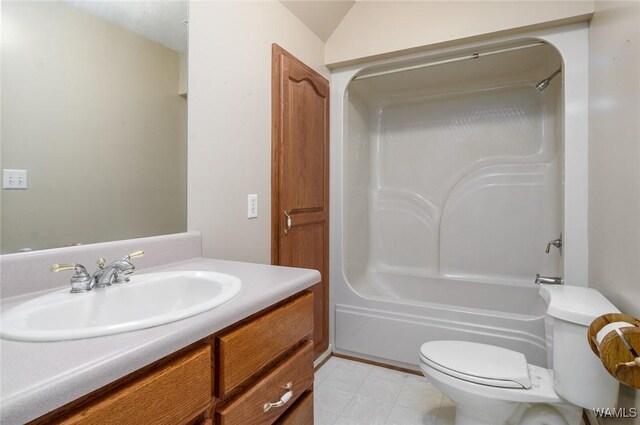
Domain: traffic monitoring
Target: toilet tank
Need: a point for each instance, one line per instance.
(578, 375)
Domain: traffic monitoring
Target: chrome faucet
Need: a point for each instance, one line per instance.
(547, 280)
(115, 272)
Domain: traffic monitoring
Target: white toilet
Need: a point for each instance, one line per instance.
(495, 386)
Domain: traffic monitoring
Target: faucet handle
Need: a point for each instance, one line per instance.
(557, 243)
(81, 280)
(121, 274)
(134, 254)
(63, 267)
(548, 248)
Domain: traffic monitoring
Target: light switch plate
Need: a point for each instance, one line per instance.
(14, 179)
(252, 206)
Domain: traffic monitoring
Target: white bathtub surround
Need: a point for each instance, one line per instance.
(349, 392)
(445, 191)
(463, 182)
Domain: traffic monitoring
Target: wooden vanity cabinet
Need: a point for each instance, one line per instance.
(225, 379)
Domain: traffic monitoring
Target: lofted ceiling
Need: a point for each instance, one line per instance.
(159, 20)
(162, 20)
(320, 16)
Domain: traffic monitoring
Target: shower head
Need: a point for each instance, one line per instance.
(544, 83)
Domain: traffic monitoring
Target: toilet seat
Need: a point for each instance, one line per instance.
(541, 391)
(479, 363)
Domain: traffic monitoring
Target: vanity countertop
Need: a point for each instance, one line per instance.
(38, 377)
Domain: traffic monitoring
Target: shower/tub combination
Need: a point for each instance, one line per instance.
(452, 171)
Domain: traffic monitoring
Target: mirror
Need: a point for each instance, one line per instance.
(94, 109)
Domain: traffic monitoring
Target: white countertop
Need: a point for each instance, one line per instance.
(38, 377)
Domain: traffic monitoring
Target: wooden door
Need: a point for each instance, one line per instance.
(300, 177)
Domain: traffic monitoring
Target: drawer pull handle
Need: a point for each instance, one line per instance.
(283, 400)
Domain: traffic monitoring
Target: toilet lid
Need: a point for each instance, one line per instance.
(479, 363)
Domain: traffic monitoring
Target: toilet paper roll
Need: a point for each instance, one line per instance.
(611, 327)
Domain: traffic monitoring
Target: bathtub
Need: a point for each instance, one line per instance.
(390, 315)
(443, 198)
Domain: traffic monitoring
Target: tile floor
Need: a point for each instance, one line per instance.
(354, 393)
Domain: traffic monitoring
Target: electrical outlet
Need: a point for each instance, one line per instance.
(14, 179)
(252, 206)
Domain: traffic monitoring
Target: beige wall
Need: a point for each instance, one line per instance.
(230, 119)
(377, 28)
(614, 160)
(183, 74)
(92, 112)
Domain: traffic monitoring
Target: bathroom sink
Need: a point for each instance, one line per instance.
(147, 300)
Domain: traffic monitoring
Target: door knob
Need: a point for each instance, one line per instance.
(288, 225)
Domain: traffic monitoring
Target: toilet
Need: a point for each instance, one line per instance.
(491, 385)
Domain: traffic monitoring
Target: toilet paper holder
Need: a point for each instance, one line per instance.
(618, 349)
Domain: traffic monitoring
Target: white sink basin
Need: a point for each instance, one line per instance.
(147, 300)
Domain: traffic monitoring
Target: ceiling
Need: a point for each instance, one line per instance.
(321, 16)
(158, 20)
(162, 20)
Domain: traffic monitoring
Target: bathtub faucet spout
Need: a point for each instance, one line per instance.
(548, 280)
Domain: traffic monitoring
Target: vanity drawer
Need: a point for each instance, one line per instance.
(300, 413)
(297, 369)
(245, 351)
(173, 394)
